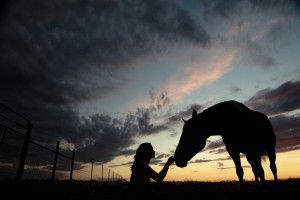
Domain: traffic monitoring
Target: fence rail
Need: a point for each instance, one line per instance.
(24, 130)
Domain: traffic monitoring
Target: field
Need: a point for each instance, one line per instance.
(29, 189)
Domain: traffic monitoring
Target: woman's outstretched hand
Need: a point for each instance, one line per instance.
(170, 160)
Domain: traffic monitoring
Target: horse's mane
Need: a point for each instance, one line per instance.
(227, 106)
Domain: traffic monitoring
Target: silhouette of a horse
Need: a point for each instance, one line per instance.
(243, 131)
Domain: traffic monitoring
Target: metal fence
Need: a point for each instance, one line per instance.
(17, 148)
(106, 174)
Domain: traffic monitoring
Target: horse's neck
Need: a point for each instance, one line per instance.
(212, 125)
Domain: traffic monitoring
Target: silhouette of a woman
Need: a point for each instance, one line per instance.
(142, 172)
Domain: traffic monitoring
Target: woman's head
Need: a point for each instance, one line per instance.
(145, 152)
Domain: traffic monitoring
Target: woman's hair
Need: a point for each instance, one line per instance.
(143, 152)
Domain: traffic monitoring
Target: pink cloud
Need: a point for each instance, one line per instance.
(199, 74)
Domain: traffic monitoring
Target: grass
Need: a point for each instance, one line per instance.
(31, 189)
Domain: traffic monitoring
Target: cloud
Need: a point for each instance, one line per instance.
(243, 166)
(255, 56)
(218, 150)
(209, 160)
(220, 164)
(199, 74)
(230, 10)
(126, 164)
(9, 172)
(127, 152)
(107, 137)
(183, 114)
(287, 129)
(235, 90)
(257, 28)
(282, 99)
(214, 145)
(144, 118)
(158, 160)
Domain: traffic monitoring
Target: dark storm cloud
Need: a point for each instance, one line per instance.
(287, 129)
(284, 98)
(106, 137)
(55, 55)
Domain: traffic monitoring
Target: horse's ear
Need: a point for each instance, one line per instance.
(183, 120)
(194, 113)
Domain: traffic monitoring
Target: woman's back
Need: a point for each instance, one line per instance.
(141, 174)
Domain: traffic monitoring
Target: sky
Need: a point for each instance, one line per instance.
(105, 76)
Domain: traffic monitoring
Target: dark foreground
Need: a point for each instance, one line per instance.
(285, 189)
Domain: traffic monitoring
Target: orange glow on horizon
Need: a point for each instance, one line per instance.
(287, 163)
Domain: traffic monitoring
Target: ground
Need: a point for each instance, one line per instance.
(29, 189)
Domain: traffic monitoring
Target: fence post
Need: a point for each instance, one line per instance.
(72, 165)
(3, 137)
(24, 152)
(55, 160)
(92, 170)
(102, 173)
(108, 174)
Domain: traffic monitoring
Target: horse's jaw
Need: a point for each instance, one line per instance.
(182, 157)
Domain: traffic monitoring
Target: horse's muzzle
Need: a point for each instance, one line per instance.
(180, 163)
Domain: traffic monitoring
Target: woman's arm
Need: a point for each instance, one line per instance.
(159, 177)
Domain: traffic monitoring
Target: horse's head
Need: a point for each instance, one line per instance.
(191, 141)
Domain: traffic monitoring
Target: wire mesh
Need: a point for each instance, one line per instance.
(38, 163)
(10, 150)
(82, 171)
